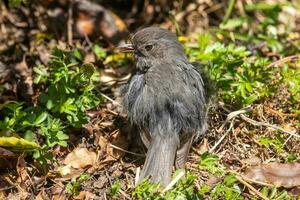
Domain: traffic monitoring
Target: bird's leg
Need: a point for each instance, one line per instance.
(145, 137)
(182, 153)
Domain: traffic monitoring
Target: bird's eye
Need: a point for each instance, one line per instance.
(148, 47)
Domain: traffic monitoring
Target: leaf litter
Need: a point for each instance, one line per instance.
(111, 156)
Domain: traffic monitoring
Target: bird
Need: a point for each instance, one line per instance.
(165, 99)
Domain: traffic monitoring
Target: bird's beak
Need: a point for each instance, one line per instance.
(125, 48)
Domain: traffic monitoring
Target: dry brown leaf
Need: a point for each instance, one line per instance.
(41, 195)
(58, 192)
(2, 194)
(73, 173)
(115, 147)
(212, 181)
(118, 140)
(80, 158)
(295, 192)
(251, 161)
(108, 78)
(203, 147)
(4, 153)
(22, 172)
(278, 174)
(84, 195)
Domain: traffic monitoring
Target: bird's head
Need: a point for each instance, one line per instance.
(153, 44)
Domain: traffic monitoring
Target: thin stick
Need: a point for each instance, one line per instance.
(283, 60)
(230, 116)
(174, 181)
(119, 148)
(221, 139)
(112, 112)
(110, 99)
(240, 179)
(137, 176)
(256, 123)
(124, 194)
(257, 182)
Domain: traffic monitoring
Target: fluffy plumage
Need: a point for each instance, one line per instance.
(166, 100)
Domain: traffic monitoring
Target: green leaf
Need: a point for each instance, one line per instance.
(99, 51)
(61, 136)
(29, 135)
(42, 117)
(88, 70)
(232, 23)
(18, 144)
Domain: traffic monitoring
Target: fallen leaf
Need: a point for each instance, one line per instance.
(251, 161)
(212, 181)
(22, 172)
(68, 175)
(295, 192)
(278, 174)
(84, 195)
(118, 140)
(41, 195)
(18, 144)
(203, 147)
(80, 158)
(4, 153)
(57, 191)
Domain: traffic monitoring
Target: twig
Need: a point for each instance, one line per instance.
(174, 181)
(229, 117)
(221, 139)
(119, 148)
(256, 123)
(124, 194)
(257, 182)
(137, 176)
(283, 60)
(112, 112)
(70, 23)
(241, 180)
(20, 189)
(110, 99)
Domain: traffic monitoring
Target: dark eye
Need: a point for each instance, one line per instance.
(148, 47)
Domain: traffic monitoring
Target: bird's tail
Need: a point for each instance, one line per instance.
(160, 158)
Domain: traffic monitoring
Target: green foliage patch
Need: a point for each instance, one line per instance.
(68, 91)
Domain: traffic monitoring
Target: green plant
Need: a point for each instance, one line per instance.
(276, 143)
(73, 186)
(69, 90)
(274, 194)
(16, 3)
(210, 163)
(239, 79)
(290, 77)
(70, 87)
(183, 189)
(114, 189)
(146, 190)
(228, 189)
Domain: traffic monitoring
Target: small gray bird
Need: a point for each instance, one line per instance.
(165, 99)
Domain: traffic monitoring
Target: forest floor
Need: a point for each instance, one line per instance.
(63, 134)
